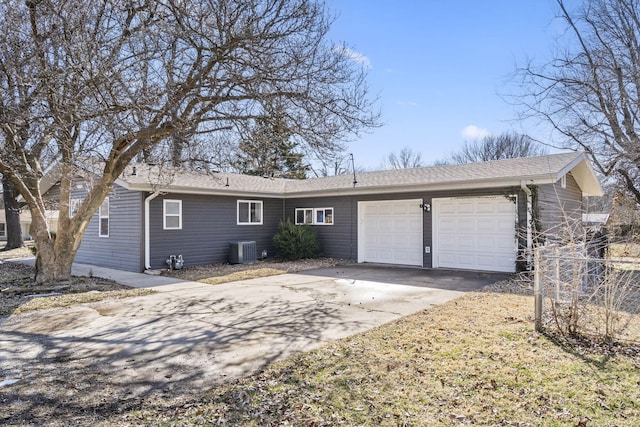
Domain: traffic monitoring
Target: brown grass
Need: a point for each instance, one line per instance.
(19, 293)
(23, 252)
(473, 361)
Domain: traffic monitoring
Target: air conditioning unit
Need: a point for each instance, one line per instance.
(242, 252)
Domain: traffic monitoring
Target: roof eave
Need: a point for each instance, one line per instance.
(585, 177)
(201, 191)
(455, 185)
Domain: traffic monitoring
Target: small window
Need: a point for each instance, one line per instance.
(103, 215)
(3, 229)
(172, 214)
(563, 181)
(249, 212)
(74, 205)
(323, 216)
(304, 216)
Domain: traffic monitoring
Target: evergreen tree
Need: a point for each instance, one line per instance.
(270, 151)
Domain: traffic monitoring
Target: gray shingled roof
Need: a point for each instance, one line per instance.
(497, 173)
(166, 178)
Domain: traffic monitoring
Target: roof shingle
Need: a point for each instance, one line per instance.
(542, 169)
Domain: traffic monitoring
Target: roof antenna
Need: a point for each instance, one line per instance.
(353, 168)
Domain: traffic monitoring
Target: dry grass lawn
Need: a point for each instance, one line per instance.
(473, 361)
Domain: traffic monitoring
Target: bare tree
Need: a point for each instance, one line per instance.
(492, 147)
(111, 80)
(590, 91)
(12, 216)
(405, 158)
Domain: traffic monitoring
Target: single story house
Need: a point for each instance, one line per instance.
(478, 216)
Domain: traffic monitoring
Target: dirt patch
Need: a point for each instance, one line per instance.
(207, 273)
(18, 292)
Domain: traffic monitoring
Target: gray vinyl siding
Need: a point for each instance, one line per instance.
(559, 209)
(53, 196)
(209, 224)
(338, 240)
(341, 239)
(122, 249)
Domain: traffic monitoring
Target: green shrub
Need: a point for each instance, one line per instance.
(296, 241)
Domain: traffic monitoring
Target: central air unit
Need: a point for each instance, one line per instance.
(242, 252)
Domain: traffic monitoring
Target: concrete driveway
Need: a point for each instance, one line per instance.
(192, 335)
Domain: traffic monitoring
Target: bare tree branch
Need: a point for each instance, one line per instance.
(113, 81)
(496, 147)
(590, 91)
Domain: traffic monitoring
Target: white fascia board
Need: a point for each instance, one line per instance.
(587, 179)
(584, 175)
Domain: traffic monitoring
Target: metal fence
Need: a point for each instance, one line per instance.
(578, 292)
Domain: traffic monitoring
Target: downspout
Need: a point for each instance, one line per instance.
(147, 233)
(527, 191)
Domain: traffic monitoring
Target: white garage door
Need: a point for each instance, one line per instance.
(390, 232)
(476, 233)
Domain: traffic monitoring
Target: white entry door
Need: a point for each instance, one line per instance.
(476, 233)
(390, 232)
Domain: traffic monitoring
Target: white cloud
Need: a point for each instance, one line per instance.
(356, 57)
(474, 132)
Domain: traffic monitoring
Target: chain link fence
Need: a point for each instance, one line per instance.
(579, 290)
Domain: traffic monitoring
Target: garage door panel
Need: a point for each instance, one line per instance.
(475, 233)
(465, 208)
(467, 225)
(464, 244)
(391, 232)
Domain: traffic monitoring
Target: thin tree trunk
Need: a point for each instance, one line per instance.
(12, 216)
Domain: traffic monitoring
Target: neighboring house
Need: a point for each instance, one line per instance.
(25, 223)
(474, 216)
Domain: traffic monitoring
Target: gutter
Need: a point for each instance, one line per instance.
(147, 233)
(527, 191)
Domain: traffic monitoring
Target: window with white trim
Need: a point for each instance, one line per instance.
(172, 214)
(249, 212)
(304, 216)
(74, 205)
(314, 216)
(563, 181)
(103, 216)
(3, 229)
(323, 216)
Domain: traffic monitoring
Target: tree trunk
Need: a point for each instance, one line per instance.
(12, 215)
(54, 258)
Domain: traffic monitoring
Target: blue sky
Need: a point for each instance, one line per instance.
(440, 67)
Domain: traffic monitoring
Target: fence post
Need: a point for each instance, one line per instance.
(556, 273)
(537, 288)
